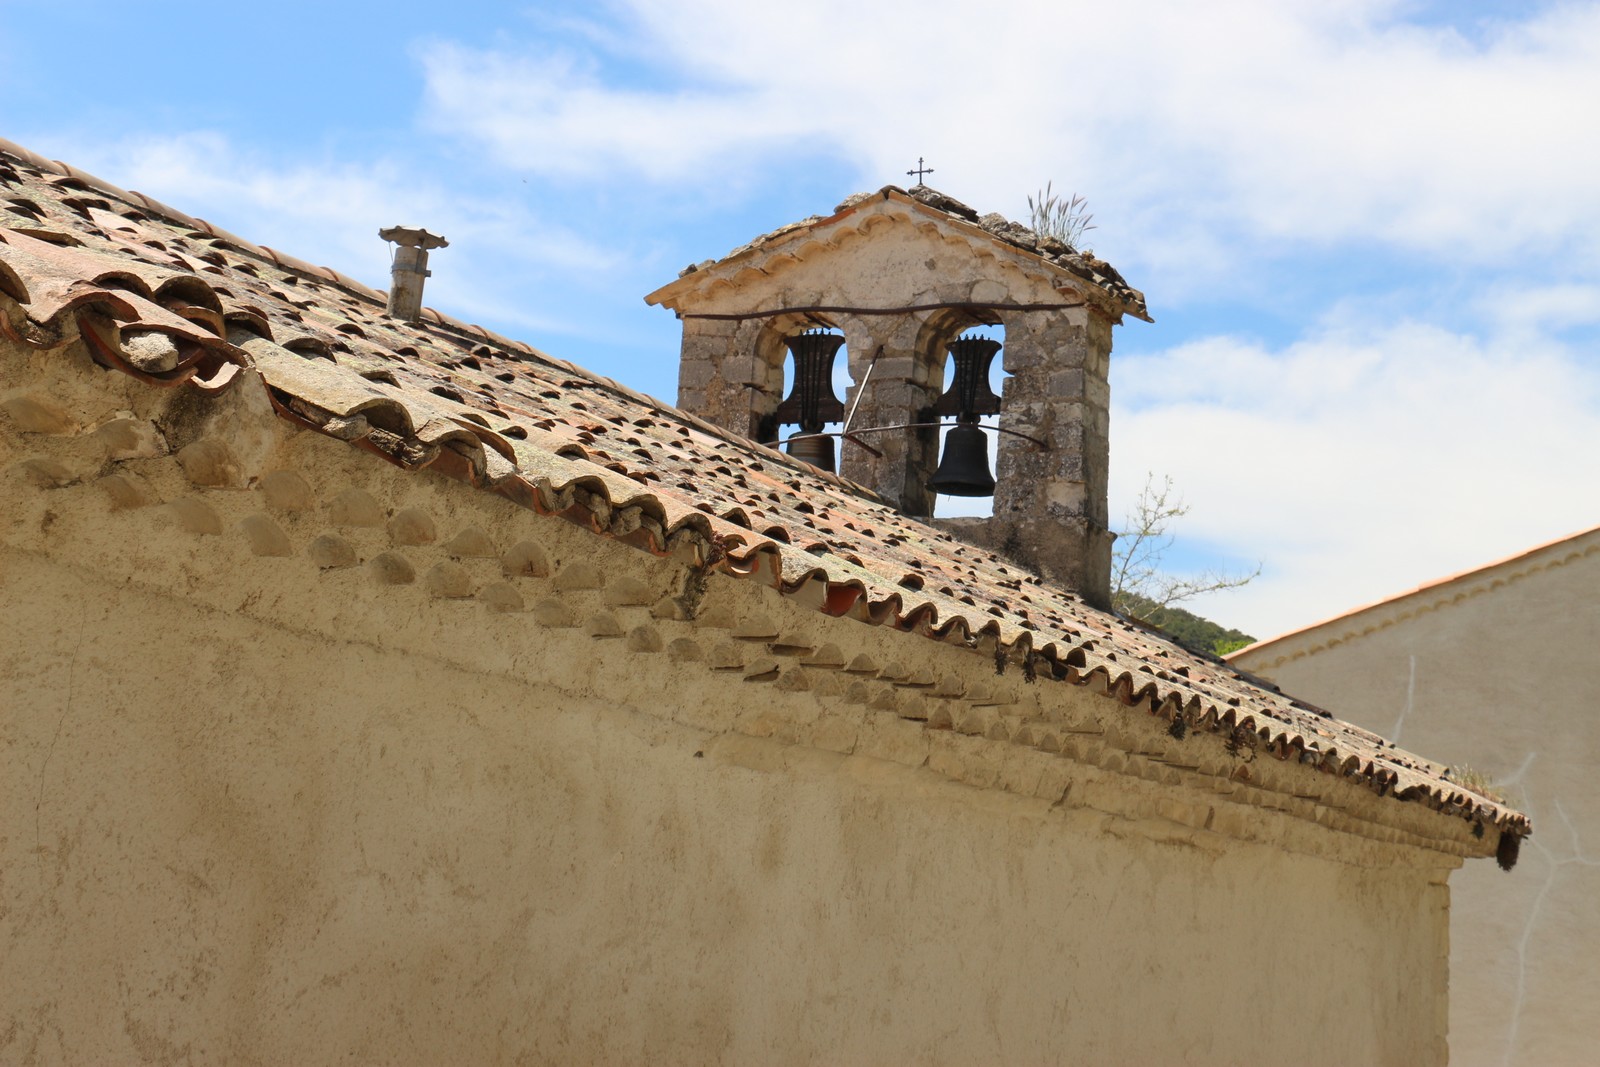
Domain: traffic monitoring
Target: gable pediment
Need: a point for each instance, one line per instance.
(892, 249)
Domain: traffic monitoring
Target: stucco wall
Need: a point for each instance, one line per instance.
(230, 843)
(1495, 671)
(309, 759)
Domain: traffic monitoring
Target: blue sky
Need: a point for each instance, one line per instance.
(1368, 229)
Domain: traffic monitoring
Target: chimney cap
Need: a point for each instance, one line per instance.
(413, 237)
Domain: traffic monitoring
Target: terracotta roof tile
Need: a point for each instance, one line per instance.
(555, 438)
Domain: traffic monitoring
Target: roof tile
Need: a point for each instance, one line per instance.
(555, 438)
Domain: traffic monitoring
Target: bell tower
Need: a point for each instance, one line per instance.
(896, 278)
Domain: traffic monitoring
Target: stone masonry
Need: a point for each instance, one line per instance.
(901, 279)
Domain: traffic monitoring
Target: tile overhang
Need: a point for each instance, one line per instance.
(509, 419)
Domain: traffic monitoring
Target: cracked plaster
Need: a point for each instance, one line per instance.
(1494, 670)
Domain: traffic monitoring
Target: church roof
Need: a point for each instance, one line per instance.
(197, 306)
(1068, 266)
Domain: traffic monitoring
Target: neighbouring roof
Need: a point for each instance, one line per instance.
(508, 419)
(1426, 597)
(1063, 261)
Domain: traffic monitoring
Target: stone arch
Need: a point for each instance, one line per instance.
(940, 327)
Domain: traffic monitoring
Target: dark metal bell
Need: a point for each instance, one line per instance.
(811, 402)
(964, 468)
(969, 393)
(815, 450)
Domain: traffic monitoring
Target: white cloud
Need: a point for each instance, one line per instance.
(332, 213)
(550, 114)
(1358, 466)
(1195, 126)
(1522, 308)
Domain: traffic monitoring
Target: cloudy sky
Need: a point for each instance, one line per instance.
(1369, 230)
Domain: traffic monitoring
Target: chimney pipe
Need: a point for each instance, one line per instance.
(409, 269)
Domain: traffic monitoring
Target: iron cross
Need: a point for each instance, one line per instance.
(920, 171)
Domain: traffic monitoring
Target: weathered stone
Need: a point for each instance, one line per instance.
(37, 414)
(211, 463)
(891, 259)
(500, 597)
(287, 491)
(330, 552)
(412, 526)
(195, 516)
(471, 543)
(130, 438)
(150, 350)
(450, 581)
(355, 507)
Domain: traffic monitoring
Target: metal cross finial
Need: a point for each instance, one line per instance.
(920, 171)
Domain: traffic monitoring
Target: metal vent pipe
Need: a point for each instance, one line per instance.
(409, 269)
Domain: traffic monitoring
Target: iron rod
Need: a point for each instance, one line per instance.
(911, 426)
(740, 316)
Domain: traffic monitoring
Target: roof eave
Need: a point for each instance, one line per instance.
(1344, 620)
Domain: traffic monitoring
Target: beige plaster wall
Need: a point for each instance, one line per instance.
(309, 759)
(229, 843)
(1496, 671)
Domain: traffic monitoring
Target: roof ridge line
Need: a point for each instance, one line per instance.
(1111, 287)
(366, 292)
(137, 199)
(1477, 579)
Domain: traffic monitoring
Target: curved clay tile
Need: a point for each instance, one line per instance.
(960, 594)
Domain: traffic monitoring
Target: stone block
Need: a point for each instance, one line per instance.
(834, 733)
(696, 374)
(1068, 383)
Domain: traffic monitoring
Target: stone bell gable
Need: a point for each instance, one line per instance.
(901, 274)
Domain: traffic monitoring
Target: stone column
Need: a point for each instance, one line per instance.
(1050, 504)
(723, 378)
(902, 388)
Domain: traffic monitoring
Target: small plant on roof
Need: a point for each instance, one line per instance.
(1067, 220)
(1479, 782)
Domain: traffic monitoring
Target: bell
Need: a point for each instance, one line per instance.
(964, 468)
(811, 402)
(814, 449)
(969, 393)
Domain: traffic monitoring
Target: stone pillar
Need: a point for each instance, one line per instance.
(903, 386)
(1050, 504)
(725, 375)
